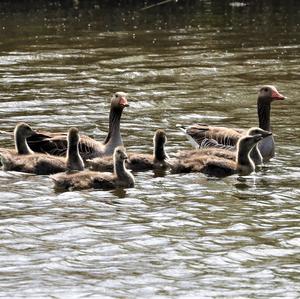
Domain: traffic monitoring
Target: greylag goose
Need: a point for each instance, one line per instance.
(219, 167)
(137, 162)
(23, 159)
(199, 133)
(56, 143)
(227, 152)
(121, 178)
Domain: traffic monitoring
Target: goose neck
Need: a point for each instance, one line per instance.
(256, 155)
(159, 152)
(245, 165)
(121, 172)
(114, 134)
(21, 145)
(74, 160)
(263, 112)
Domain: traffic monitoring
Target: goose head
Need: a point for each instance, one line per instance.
(21, 133)
(119, 100)
(160, 137)
(256, 131)
(24, 130)
(73, 136)
(248, 142)
(269, 93)
(120, 154)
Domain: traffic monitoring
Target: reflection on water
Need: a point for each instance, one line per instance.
(172, 235)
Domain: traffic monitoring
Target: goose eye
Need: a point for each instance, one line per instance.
(116, 95)
(266, 90)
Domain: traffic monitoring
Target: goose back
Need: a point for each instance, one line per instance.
(211, 166)
(56, 144)
(39, 164)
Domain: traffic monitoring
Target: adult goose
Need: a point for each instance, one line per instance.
(121, 178)
(199, 133)
(227, 152)
(217, 166)
(137, 162)
(56, 143)
(23, 159)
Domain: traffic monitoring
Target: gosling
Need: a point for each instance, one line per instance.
(138, 162)
(217, 166)
(25, 160)
(120, 178)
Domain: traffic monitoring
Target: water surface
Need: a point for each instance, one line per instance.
(184, 236)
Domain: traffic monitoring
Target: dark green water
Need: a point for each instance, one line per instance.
(172, 236)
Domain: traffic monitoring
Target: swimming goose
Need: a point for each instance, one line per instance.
(56, 143)
(138, 162)
(229, 136)
(21, 132)
(25, 160)
(121, 178)
(217, 166)
(227, 152)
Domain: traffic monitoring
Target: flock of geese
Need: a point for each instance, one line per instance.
(79, 162)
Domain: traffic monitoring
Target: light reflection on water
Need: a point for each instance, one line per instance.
(172, 235)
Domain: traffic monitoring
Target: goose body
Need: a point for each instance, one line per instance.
(226, 152)
(121, 178)
(56, 143)
(199, 133)
(40, 164)
(210, 152)
(219, 166)
(137, 162)
(23, 159)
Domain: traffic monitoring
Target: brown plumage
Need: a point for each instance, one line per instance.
(137, 162)
(209, 151)
(217, 166)
(121, 178)
(24, 160)
(227, 152)
(199, 133)
(56, 143)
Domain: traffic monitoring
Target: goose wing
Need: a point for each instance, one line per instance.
(83, 180)
(36, 163)
(56, 144)
(100, 164)
(218, 167)
(140, 162)
(204, 135)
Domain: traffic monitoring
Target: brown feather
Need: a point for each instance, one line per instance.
(40, 164)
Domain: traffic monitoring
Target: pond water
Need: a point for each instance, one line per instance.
(184, 236)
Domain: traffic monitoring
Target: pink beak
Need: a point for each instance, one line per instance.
(123, 102)
(277, 96)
